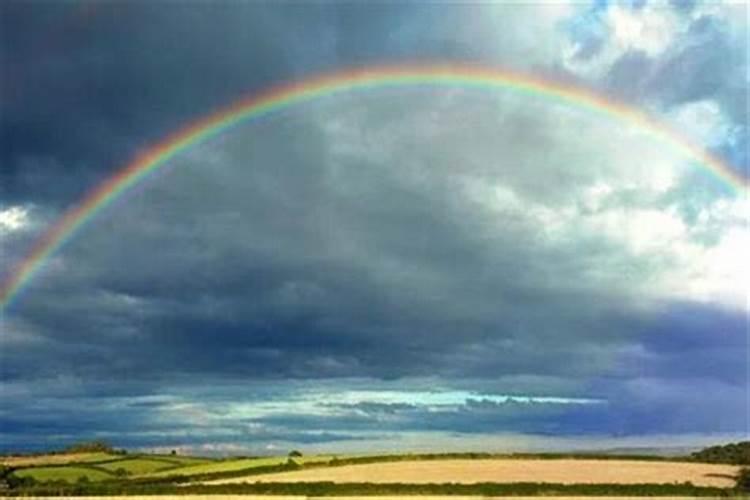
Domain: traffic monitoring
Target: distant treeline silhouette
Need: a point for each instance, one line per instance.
(732, 453)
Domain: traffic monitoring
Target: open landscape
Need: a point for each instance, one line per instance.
(714, 471)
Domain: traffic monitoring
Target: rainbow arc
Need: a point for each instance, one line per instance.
(284, 96)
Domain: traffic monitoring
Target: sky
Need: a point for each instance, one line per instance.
(402, 268)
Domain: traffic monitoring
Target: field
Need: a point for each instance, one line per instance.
(562, 471)
(428, 476)
(140, 466)
(306, 497)
(68, 473)
(183, 460)
(101, 466)
(55, 459)
(223, 466)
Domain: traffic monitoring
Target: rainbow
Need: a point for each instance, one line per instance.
(256, 106)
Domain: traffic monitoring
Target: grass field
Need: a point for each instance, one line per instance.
(563, 471)
(221, 466)
(99, 466)
(184, 460)
(55, 459)
(67, 473)
(139, 466)
(235, 465)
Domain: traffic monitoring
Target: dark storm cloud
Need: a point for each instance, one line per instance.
(84, 91)
(356, 237)
(82, 98)
(692, 341)
(303, 263)
(88, 85)
(270, 293)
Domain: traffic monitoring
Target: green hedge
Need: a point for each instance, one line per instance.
(371, 489)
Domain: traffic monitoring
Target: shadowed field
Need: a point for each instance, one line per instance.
(302, 497)
(563, 471)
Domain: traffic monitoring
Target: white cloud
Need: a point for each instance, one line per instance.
(13, 218)
(719, 273)
(651, 29)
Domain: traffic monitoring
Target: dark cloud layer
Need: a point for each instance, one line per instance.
(407, 244)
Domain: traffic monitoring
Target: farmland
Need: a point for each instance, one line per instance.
(69, 473)
(98, 466)
(562, 471)
(139, 466)
(221, 466)
(54, 459)
(102, 466)
(397, 475)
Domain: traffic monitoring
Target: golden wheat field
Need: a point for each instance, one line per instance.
(567, 471)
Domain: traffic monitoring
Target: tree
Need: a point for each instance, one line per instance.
(295, 453)
(89, 447)
(732, 453)
(743, 480)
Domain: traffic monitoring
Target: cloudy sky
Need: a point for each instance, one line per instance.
(395, 268)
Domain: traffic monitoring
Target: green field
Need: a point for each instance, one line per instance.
(69, 473)
(59, 458)
(231, 465)
(101, 466)
(183, 460)
(221, 466)
(153, 466)
(139, 466)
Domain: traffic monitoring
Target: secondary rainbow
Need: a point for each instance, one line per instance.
(284, 96)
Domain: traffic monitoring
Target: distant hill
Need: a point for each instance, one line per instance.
(733, 453)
